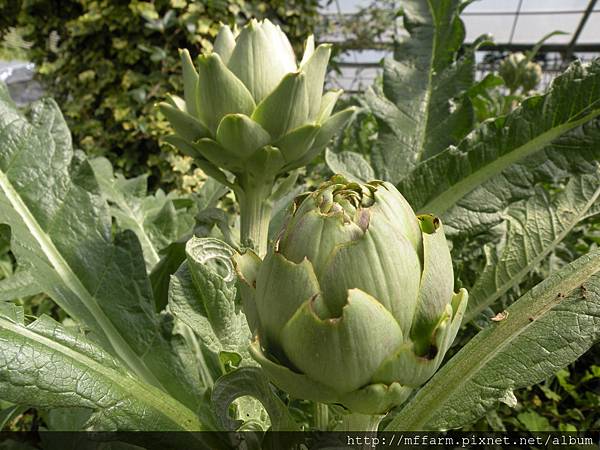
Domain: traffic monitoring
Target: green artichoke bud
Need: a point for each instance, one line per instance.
(519, 72)
(532, 75)
(355, 302)
(250, 107)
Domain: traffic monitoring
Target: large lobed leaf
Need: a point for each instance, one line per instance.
(548, 328)
(62, 234)
(46, 365)
(203, 295)
(157, 220)
(533, 204)
(419, 110)
(535, 227)
(572, 101)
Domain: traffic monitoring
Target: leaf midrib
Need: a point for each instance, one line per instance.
(469, 315)
(423, 130)
(449, 197)
(125, 352)
(497, 339)
(160, 402)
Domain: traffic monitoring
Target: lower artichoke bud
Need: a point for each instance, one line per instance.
(355, 302)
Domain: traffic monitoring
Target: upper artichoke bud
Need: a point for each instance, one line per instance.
(355, 304)
(519, 72)
(251, 107)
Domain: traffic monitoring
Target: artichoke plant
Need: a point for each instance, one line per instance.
(354, 304)
(252, 113)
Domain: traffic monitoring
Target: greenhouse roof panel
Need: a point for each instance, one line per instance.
(527, 21)
(591, 31)
(510, 21)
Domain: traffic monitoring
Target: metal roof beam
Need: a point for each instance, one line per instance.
(586, 15)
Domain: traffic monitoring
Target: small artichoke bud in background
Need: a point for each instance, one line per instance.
(519, 72)
(355, 303)
(532, 75)
(251, 107)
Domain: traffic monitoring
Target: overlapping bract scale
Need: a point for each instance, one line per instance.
(355, 303)
(251, 93)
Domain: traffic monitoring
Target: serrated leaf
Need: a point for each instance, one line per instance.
(62, 232)
(173, 255)
(44, 365)
(546, 329)
(203, 296)
(154, 219)
(572, 101)
(535, 227)
(419, 112)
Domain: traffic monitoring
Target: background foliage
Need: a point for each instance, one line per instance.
(107, 63)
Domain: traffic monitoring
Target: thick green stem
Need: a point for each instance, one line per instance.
(365, 423)
(321, 417)
(255, 211)
(360, 422)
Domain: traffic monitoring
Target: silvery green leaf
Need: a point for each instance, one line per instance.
(173, 255)
(61, 230)
(203, 296)
(154, 219)
(351, 165)
(546, 329)
(45, 365)
(20, 284)
(567, 111)
(419, 111)
(593, 211)
(535, 227)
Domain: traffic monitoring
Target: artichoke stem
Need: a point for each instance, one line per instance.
(360, 422)
(321, 416)
(255, 212)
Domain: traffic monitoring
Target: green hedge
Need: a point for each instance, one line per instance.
(109, 62)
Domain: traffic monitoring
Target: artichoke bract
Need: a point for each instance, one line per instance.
(251, 110)
(355, 303)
